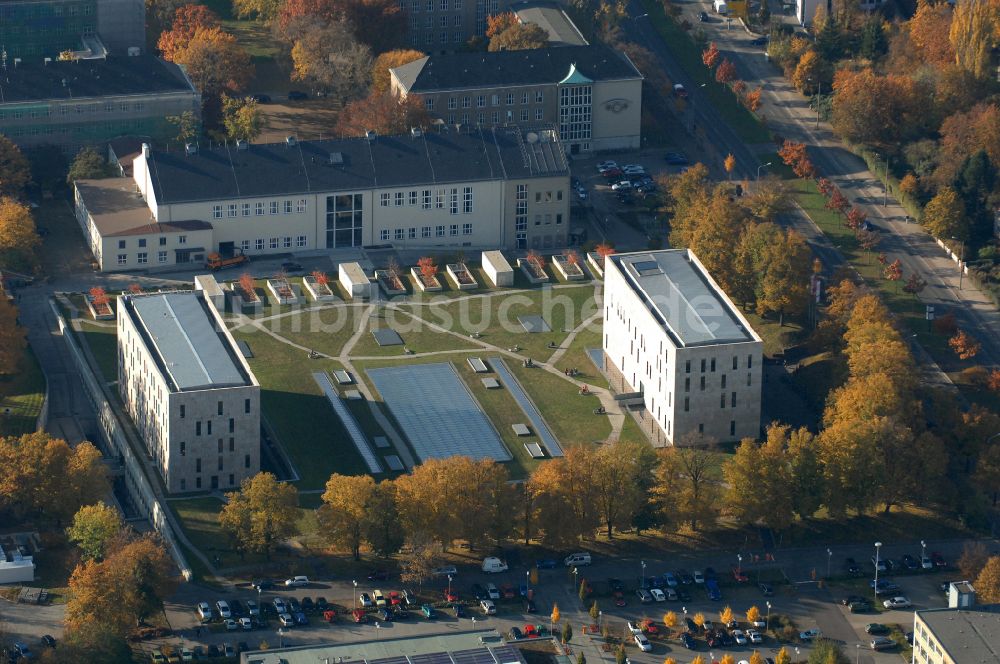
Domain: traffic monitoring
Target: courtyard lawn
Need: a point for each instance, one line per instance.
(570, 415)
(324, 330)
(496, 318)
(417, 336)
(103, 342)
(22, 392)
(576, 356)
(301, 415)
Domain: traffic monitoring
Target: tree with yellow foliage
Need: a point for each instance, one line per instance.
(753, 614)
(987, 584)
(972, 33)
(12, 337)
(726, 615)
(215, 61)
(261, 514)
(18, 236)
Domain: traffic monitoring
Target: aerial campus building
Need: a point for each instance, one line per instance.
(497, 187)
(677, 345)
(591, 93)
(188, 390)
(33, 29)
(957, 635)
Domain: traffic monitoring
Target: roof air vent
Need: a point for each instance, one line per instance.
(371, 135)
(337, 158)
(242, 145)
(291, 141)
(415, 132)
(190, 148)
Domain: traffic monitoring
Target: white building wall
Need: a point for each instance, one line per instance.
(682, 387)
(616, 115)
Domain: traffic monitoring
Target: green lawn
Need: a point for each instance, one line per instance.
(576, 356)
(683, 48)
(417, 336)
(569, 415)
(496, 318)
(103, 342)
(324, 330)
(22, 392)
(309, 430)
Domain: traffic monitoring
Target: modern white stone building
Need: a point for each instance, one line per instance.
(674, 341)
(188, 390)
(502, 187)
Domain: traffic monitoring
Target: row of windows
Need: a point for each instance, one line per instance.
(259, 244)
(429, 199)
(425, 232)
(547, 219)
(141, 242)
(494, 100)
(441, 5)
(182, 412)
(232, 448)
(259, 209)
(142, 258)
(444, 21)
(215, 479)
(458, 37)
(77, 109)
(736, 362)
(495, 117)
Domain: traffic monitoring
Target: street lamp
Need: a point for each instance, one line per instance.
(961, 261)
(768, 614)
(377, 628)
(739, 563)
(923, 552)
(527, 583)
(600, 621)
(449, 586)
(878, 546)
(576, 585)
(858, 659)
(829, 559)
(281, 635)
(355, 594)
(885, 196)
(760, 167)
(643, 563)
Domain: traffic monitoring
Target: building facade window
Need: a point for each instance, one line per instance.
(344, 220)
(246, 209)
(216, 212)
(467, 200)
(161, 257)
(466, 229)
(232, 209)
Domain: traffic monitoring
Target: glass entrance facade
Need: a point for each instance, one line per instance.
(344, 220)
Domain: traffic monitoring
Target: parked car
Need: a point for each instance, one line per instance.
(279, 606)
(378, 598)
(739, 637)
(459, 611)
(644, 596)
(492, 592)
(852, 566)
(297, 582)
(246, 624)
(898, 602)
(658, 595)
(478, 591)
(262, 584)
(688, 641)
(307, 604)
(699, 577)
(204, 611)
(375, 574)
(546, 563)
(810, 634)
(926, 563)
(643, 643)
(605, 165)
(261, 99)
(222, 606)
(680, 91)
(703, 17)
(909, 562)
(876, 628)
(488, 607)
(48, 641)
(882, 643)
(577, 559)
(939, 560)
(447, 570)
(859, 607)
(671, 594)
(755, 636)
(450, 595)
(297, 95)
(252, 609)
(880, 564)
(514, 634)
(623, 185)
(428, 611)
(670, 579)
(712, 587)
(359, 615)
(529, 606)
(286, 620)
(384, 614)
(676, 158)
(366, 600)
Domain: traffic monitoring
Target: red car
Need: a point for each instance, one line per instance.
(649, 627)
(394, 598)
(619, 598)
(359, 615)
(612, 174)
(530, 632)
(938, 559)
(740, 575)
(329, 615)
(450, 596)
(508, 591)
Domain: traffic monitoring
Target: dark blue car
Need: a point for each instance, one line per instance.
(546, 563)
(688, 641)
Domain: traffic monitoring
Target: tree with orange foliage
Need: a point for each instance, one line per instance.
(962, 134)
(215, 62)
(872, 109)
(384, 113)
(838, 202)
(894, 271)
(604, 250)
(321, 277)
(729, 163)
(739, 87)
(710, 56)
(247, 285)
(856, 217)
(726, 71)
(329, 57)
(187, 20)
(498, 23)
(909, 185)
(825, 186)
(795, 155)
(381, 79)
(752, 99)
(98, 296)
(929, 29)
(964, 345)
(427, 268)
(914, 285)
(993, 382)
(378, 24)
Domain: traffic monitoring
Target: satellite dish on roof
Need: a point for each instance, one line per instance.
(531, 137)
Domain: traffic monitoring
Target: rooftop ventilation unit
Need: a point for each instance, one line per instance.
(291, 141)
(190, 148)
(415, 132)
(133, 51)
(242, 145)
(336, 158)
(371, 135)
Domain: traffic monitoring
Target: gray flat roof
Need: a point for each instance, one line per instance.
(182, 335)
(479, 647)
(682, 298)
(968, 635)
(550, 17)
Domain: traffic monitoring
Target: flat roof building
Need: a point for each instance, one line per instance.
(549, 16)
(676, 343)
(592, 93)
(187, 388)
(957, 636)
(89, 102)
(500, 187)
(476, 647)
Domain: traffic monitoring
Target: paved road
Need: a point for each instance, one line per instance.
(788, 115)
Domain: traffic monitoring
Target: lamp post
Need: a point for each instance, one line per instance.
(355, 594)
(449, 585)
(858, 659)
(878, 547)
(576, 585)
(281, 635)
(762, 166)
(829, 559)
(643, 564)
(527, 583)
(600, 621)
(739, 564)
(768, 614)
(923, 552)
(885, 182)
(377, 628)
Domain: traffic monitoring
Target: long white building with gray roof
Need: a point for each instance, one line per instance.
(677, 345)
(187, 388)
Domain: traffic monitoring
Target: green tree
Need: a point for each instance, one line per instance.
(48, 167)
(261, 514)
(331, 59)
(93, 529)
(944, 215)
(264, 10)
(977, 185)
(567, 632)
(807, 490)
(187, 125)
(88, 165)
(595, 611)
(873, 41)
(15, 172)
(619, 482)
(241, 117)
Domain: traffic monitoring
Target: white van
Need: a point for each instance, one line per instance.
(493, 565)
(577, 559)
(720, 7)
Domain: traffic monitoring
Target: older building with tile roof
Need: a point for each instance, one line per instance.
(470, 187)
(592, 93)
